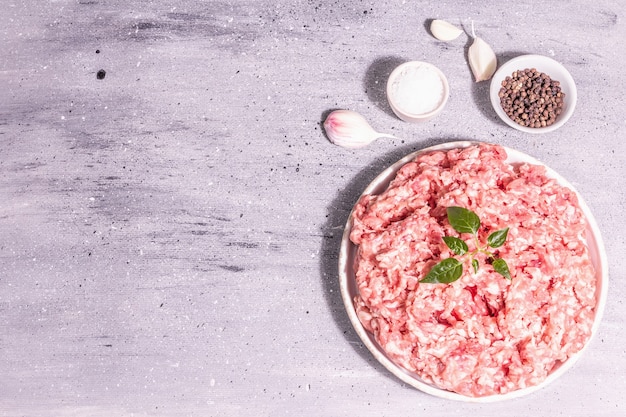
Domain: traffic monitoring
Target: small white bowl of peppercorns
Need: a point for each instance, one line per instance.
(533, 93)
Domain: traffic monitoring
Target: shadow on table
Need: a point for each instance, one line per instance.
(332, 231)
(480, 90)
(375, 81)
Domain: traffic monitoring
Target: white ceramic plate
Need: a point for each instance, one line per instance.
(544, 64)
(349, 289)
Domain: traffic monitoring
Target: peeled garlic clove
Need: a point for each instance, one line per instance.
(444, 31)
(482, 60)
(350, 130)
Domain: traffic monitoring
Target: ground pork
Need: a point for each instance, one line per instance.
(482, 334)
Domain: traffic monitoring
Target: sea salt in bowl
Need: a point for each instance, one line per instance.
(417, 91)
(554, 70)
(350, 289)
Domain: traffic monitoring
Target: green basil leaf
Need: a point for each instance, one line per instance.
(456, 245)
(500, 266)
(463, 220)
(497, 238)
(475, 265)
(445, 272)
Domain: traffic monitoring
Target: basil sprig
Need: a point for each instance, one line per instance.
(450, 269)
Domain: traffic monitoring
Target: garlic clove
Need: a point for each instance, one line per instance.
(350, 130)
(444, 31)
(482, 60)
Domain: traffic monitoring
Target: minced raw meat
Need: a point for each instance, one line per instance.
(482, 334)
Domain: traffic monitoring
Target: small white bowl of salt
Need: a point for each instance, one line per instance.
(417, 91)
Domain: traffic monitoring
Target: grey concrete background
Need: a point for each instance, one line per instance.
(169, 233)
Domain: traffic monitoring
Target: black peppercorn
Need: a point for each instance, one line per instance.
(531, 98)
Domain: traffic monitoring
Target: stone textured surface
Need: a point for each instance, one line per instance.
(169, 233)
